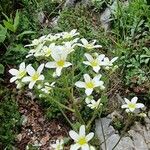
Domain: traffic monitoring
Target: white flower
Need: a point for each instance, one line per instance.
(130, 106)
(71, 34)
(47, 87)
(109, 63)
(88, 99)
(58, 145)
(95, 63)
(18, 74)
(34, 76)
(51, 37)
(59, 63)
(90, 84)
(48, 49)
(36, 42)
(36, 51)
(19, 84)
(69, 47)
(88, 45)
(81, 140)
(94, 104)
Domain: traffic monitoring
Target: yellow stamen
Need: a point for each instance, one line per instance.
(132, 106)
(94, 63)
(82, 141)
(90, 85)
(61, 63)
(21, 73)
(89, 46)
(35, 76)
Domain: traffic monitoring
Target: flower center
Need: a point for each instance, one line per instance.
(89, 46)
(61, 63)
(132, 106)
(90, 85)
(35, 76)
(82, 141)
(94, 63)
(67, 36)
(22, 73)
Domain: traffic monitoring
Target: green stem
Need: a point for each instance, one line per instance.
(66, 118)
(61, 105)
(93, 117)
(78, 115)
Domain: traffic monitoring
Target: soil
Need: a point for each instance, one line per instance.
(35, 128)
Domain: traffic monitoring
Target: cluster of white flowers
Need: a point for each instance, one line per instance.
(54, 51)
(20, 76)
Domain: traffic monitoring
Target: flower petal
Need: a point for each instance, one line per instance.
(126, 100)
(55, 55)
(40, 68)
(87, 78)
(124, 106)
(41, 77)
(84, 41)
(51, 64)
(80, 84)
(13, 79)
(97, 78)
(114, 59)
(58, 71)
(73, 135)
(89, 57)
(99, 83)
(96, 69)
(30, 70)
(26, 79)
(31, 84)
(82, 130)
(86, 63)
(90, 136)
(75, 147)
(67, 64)
(85, 147)
(22, 66)
(13, 71)
(100, 57)
(88, 91)
(139, 105)
(134, 100)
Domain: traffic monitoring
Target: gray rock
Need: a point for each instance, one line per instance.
(41, 17)
(107, 129)
(138, 140)
(69, 3)
(124, 144)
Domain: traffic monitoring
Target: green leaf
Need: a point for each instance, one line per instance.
(26, 32)
(16, 21)
(3, 32)
(1, 69)
(9, 26)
